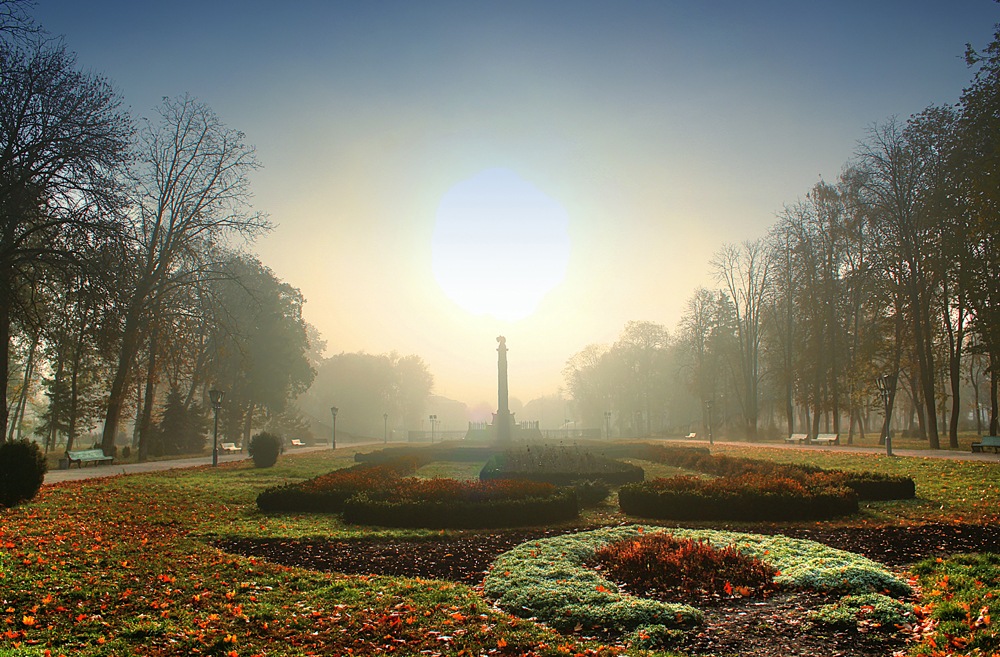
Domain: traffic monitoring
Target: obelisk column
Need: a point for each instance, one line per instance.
(503, 402)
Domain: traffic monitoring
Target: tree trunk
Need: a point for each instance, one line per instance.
(4, 351)
(116, 396)
(146, 423)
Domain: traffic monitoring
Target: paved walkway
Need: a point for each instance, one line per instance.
(93, 472)
(952, 455)
(77, 473)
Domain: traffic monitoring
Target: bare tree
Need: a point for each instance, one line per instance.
(192, 189)
(744, 270)
(63, 139)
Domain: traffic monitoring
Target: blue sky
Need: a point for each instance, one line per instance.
(663, 128)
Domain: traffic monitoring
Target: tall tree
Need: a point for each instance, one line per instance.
(979, 132)
(895, 183)
(192, 189)
(63, 140)
(745, 270)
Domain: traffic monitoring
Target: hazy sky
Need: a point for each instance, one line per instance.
(640, 136)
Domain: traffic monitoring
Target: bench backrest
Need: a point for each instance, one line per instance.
(798, 436)
(992, 441)
(229, 446)
(827, 436)
(86, 453)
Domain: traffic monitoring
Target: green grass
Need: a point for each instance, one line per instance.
(125, 565)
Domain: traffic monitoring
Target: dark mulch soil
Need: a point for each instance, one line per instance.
(772, 627)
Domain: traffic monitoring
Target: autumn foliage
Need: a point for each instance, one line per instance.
(678, 569)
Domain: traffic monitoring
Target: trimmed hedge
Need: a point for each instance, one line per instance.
(367, 509)
(747, 497)
(868, 486)
(22, 472)
(560, 466)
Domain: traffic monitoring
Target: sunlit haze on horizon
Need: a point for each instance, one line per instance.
(609, 148)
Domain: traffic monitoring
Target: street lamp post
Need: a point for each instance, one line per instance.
(216, 397)
(385, 428)
(433, 419)
(607, 422)
(885, 384)
(708, 411)
(333, 442)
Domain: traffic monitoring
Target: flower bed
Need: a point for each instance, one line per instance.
(440, 503)
(867, 485)
(327, 493)
(380, 495)
(549, 579)
(561, 466)
(746, 497)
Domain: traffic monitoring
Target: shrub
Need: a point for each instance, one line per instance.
(591, 493)
(679, 568)
(562, 466)
(264, 449)
(22, 471)
(747, 497)
(449, 503)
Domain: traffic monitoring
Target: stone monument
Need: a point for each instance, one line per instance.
(502, 419)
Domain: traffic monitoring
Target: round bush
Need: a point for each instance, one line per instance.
(264, 449)
(22, 471)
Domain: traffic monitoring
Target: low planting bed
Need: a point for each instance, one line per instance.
(441, 503)
(555, 581)
(380, 494)
(561, 466)
(868, 485)
(746, 497)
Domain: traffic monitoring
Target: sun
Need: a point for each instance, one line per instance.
(500, 245)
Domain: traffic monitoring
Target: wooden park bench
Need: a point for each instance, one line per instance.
(826, 439)
(800, 438)
(987, 441)
(229, 447)
(691, 436)
(297, 443)
(95, 456)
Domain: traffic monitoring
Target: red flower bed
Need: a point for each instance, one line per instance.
(675, 569)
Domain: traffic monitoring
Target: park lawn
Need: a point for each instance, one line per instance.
(120, 566)
(125, 566)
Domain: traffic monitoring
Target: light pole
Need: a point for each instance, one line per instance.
(607, 422)
(885, 384)
(433, 419)
(216, 397)
(333, 412)
(708, 411)
(385, 428)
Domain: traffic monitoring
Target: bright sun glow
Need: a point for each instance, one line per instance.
(500, 245)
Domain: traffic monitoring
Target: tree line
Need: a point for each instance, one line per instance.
(891, 270)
